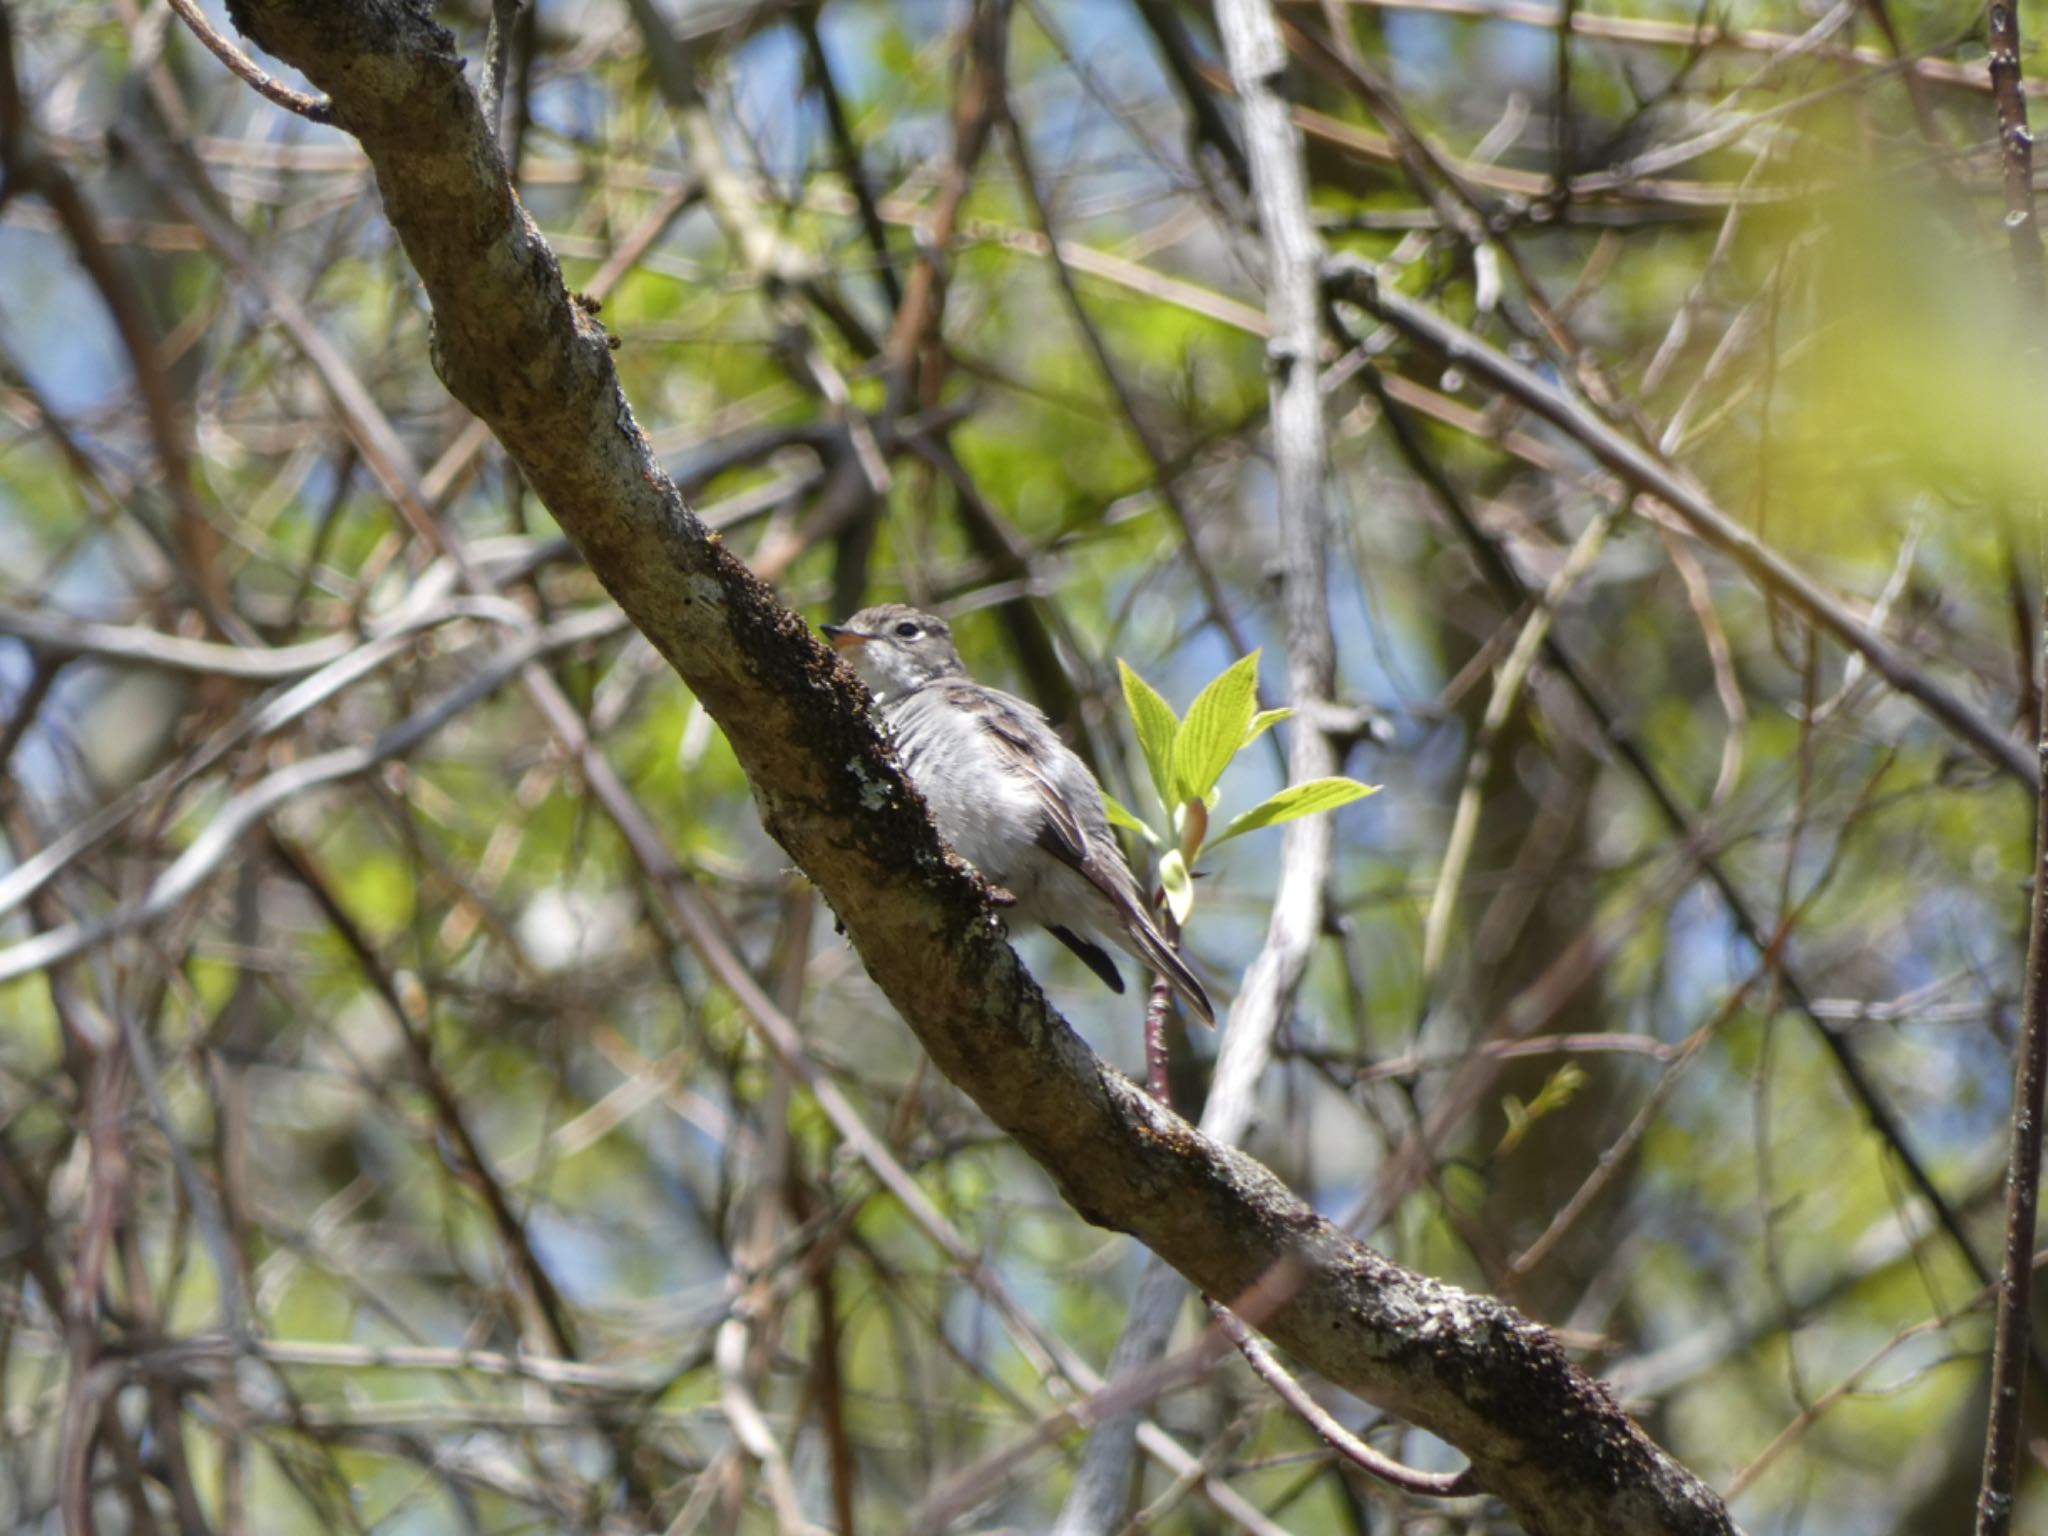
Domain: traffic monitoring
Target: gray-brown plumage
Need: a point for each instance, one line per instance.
(1008, 794)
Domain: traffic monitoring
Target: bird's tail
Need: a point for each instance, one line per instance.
(1151, 946)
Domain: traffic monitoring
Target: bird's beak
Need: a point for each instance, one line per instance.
(842, 638)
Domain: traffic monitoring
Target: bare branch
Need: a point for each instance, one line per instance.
(311, 108)
(1357, 282)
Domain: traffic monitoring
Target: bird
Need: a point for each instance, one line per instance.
(1009, 795)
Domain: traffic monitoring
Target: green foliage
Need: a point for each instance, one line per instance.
(376, 881)
(1121, 817)
(1156, 724)
(1264, 721)
(1188, 757)
(1558, 1090)
(1178, 884)
(1308, 798)
(1217, 727)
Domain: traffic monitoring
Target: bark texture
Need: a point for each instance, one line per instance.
(515, 348)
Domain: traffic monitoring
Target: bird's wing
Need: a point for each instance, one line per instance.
(1062, 832)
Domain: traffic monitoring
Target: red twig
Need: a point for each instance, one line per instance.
(1155, 1041)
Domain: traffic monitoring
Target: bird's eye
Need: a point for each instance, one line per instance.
(907, 630)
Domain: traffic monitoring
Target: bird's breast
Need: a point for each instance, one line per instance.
(989, 814)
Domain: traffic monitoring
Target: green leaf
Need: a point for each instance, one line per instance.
(1180, 889)
(1123, 818)
(1263, 722)
(1215, 729)
(1518, 1124)
(1156, 725)
(1558, 1090)
(1295, 801)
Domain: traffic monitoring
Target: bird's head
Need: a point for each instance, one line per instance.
(895, 649)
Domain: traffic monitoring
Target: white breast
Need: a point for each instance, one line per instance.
(989, 814)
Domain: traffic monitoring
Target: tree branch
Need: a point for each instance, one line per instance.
(511, 345)
(1357, 282)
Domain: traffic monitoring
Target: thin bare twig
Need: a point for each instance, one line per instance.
(1507, 688)
(1357, 282)
(1259, 1356)
(1706, 33)
(314, 109)
(235, 820)
(497, 62)
(1695, 838)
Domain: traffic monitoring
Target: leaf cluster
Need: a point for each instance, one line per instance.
(1187, 758)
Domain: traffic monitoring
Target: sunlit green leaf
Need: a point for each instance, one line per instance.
(1180, 889)
(1295, 801)
(1156, 725)
(1123, 818)
(1215, 729)
(1264, 721)
(1518, 1123)
(1558, 1090)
